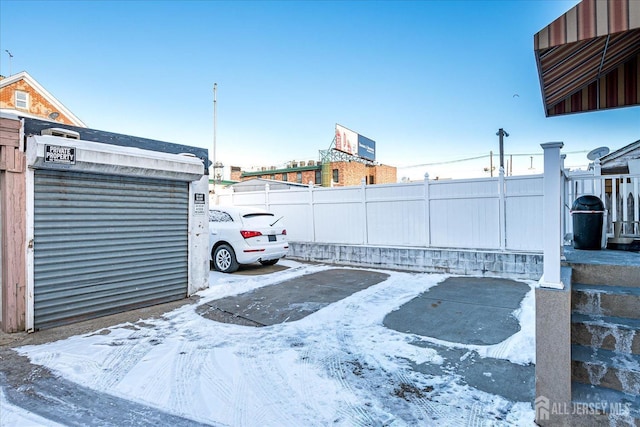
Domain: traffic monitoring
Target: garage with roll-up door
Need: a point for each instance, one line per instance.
(106, 243)
(113, 223)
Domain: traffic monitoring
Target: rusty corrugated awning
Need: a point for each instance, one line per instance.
(588, 59)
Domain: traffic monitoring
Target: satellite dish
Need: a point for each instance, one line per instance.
(596, 153)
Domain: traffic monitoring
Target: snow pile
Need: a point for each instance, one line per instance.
(337, 366)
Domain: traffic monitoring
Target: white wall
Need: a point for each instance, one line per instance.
(198, 236)
(484, 213)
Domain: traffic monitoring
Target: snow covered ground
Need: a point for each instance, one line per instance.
(338, 366)
(11, 415)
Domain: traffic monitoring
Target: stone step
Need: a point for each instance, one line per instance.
(607, 406)
(610, 333)
(605, 300)
(604, 274)
(604, 368)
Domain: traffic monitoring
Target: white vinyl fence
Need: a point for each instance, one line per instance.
(502, 213)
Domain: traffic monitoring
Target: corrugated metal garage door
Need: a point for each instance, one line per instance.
(106, 244)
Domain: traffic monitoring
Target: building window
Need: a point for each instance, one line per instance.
(284, 177)
(318, 176)
(371, 181)
(273, 177)
(336, 176)
(22, 100)
(299, 177)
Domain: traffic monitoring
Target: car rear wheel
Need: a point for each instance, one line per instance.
(224, 259)
(269, 262)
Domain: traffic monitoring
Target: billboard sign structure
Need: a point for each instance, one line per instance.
(352, 143)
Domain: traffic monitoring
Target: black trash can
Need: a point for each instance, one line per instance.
(587, 213)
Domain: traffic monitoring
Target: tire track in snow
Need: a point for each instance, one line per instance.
(221, 387)
(355, 414)
(430, 410)
(126, 354)
(475, 415)
(155, 382)
(341, 367)
(306, 368)
(427, 409)
(185, 374)
(264, 375)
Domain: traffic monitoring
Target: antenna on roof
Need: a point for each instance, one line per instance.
(10, 57)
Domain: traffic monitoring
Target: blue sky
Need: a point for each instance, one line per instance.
(429, 81)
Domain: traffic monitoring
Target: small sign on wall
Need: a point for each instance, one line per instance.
(60, 154)
(198, 204)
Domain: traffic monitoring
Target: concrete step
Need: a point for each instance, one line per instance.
(605, 300)
(610, 333)
(606, 406)
(598, 273)
(604, 368)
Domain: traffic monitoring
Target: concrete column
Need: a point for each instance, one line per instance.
(553, 353)
(552, 210)
(198, 235)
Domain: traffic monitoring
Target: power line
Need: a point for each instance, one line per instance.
(447, 162)
(466, 159)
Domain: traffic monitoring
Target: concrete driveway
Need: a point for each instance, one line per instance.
(462, 310)
(453, 320)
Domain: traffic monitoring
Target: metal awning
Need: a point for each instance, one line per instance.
(588, 59)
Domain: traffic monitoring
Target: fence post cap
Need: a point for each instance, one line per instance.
(552, 145)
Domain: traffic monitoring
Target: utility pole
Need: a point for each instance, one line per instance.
(215, 88)
(501, 134)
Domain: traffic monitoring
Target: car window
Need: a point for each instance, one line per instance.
(259, 219)
(219, 216)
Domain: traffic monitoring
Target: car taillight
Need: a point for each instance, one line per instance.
(248, 234)
(284, 232)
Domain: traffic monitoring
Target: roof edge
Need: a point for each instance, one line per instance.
(23, 75)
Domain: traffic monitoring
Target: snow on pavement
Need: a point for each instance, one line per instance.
(338, 366)
(11, 415)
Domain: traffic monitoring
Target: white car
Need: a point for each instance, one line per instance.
(241, 235)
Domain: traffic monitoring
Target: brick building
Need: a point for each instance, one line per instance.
(341, 173)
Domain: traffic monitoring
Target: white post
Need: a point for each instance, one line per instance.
(564, 194)
(311, 214)
(551, 216)
(266, 196)
(365, 225)
(502, 210)
(427, 210)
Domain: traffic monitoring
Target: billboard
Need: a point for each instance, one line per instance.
(352, 143)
